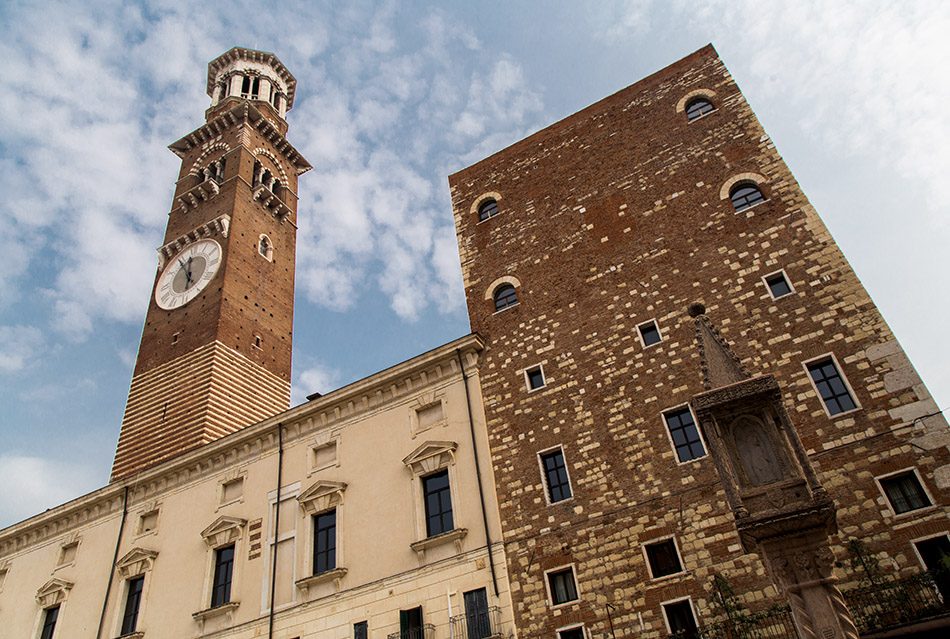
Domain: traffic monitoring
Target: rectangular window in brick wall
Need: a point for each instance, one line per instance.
(778, 284)
(685, 434)
(904, 492)
(680, 619)
(555, 475)
(663, 558)
(650, 333)
(831, 386)
(562, 585)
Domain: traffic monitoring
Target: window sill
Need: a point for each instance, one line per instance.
(138, 634)
(704, 115)
(327, 576)
(209, 613)
(749, 208)
(431, 542)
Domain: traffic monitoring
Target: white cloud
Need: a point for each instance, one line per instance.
(33, 484)
(315, 379)
(19, 345)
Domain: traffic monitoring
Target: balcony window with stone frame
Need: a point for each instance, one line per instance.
(133, 600)
(324, 542)
(904, 492)
(50, 616)
(223, 573)
(438, 503)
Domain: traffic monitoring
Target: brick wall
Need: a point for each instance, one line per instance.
(613, 217)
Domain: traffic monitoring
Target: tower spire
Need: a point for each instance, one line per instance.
(720, 365)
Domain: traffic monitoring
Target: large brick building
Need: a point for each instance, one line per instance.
(593, 461)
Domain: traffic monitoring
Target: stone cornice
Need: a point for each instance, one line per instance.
(371, 394)
(243, 113)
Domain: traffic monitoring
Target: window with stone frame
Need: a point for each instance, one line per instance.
(904, 492)
(534, 378)
(133, 599)
(684, 434)
(438, 503)
(574, 632)
(649, 333)
(555, 475)
(562, 586)
(680, 619)
(778, 285)
(505, 296)
(50, 616)
(831, 386)
(663, 558)
(324, 541)
(223, 573)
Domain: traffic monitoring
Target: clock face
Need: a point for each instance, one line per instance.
(187, 274)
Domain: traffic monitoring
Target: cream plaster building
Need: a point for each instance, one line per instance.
(360, 452)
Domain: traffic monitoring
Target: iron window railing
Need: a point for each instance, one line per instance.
(774, 623)
(425, 631)
(480, 624)
(890, 602)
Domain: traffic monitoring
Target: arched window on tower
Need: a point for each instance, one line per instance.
(487, 209)
(264, 248)
(745, 195)
(505, 296)
(698, 107)
(245, 87)
(222, 90)
(255, 87)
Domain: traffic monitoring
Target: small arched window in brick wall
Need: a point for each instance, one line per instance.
(265, 248)
(505, 296)
(745, 195)
(698, 107)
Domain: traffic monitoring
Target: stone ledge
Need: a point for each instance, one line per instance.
(455, 535)
(209, 613)
(334, 575)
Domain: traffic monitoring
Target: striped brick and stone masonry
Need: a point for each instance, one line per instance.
(610, 222)
(222, 361)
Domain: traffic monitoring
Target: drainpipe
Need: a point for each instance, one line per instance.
(273, 561)
(115, 558)
(478, 472)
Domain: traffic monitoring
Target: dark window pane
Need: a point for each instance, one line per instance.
(831, 387)
(361, 630)
(223, 569)
(684, 434)
(438, 503)
(49, 622)
(698, 108)
(563, 587)
(505, 296)
(477, 620)
(488, 208)
(535, 378)
(572, 633)
(132, 600)
(778, 285)
(324, 542)
(680, 617)
(663, 558)
(746, 196)
(555, 472)
(650, 333)
(905, 492)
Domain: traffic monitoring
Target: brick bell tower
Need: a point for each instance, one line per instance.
(216, 349)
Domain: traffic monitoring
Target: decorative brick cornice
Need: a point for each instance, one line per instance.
(242, 113)
(220, 225)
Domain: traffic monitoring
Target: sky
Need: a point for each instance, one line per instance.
(391, 98)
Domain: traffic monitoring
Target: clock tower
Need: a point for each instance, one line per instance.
(216, 349)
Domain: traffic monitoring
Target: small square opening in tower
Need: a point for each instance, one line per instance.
(649, 333)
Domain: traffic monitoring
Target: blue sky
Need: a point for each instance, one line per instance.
(391, 98)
